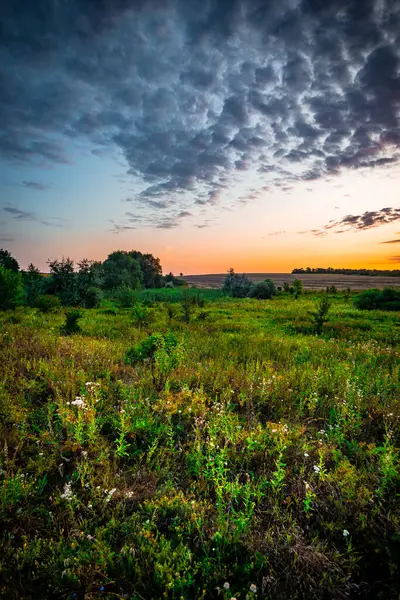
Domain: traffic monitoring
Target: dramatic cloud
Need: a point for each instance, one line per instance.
(367, 220)
(24, 215)
(34, 185)
(198, 97)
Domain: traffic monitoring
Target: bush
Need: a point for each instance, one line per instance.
(141, 315)
(71, 322)
(92, 297)
(47, 303)
(237, 286)
(11, 289)
(320, 316)
(297, 287)
(125, 297)
(386, 299)
(263, 290)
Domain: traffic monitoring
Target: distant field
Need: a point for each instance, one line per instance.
(310, 282)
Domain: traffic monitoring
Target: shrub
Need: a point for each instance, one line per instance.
(237, 286)
(187, 307)
(92, 297)
(47, 303)
(11, 289)
(141, 315)
(71, 322)
(297, 287)
(125, 297)
(386, 299)
(162, 351)
(320, 316)
(263, 290)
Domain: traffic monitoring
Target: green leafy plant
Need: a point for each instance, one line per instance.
(320, 315)
(47, 303)
(71, 324)
(11, 289)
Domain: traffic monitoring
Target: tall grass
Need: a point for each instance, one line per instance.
(250, 458)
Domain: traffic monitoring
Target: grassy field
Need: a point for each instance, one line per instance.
(250, 458)
(310, 282)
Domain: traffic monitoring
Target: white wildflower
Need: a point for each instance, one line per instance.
(226, 585)
(306, 454)
(67, 494)
(253, 588)
(345, 533)
(317, 469)
(79, 402)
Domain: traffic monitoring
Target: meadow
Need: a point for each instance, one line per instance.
(234, 455)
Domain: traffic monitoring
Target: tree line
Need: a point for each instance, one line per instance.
(83, 283)
(331, 271)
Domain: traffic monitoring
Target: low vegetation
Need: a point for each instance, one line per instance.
(200, 447)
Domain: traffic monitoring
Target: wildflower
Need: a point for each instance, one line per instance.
(67, 494)
(253, 588)
(306, 454)
(345, 533)
(89, 505)
(226, 585)
(317, 469)
(79, 402)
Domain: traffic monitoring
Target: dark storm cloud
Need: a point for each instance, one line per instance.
(198, 96)
(369, 219)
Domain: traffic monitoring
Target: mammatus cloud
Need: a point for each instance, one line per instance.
(367, 220)
(198, 97)
(34, 185)
(24, 215)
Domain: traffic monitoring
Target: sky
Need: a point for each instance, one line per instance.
(260, 135)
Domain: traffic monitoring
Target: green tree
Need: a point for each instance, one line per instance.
(7, 261)
(320, 315)
(34, 284)
(88, 281)
(150, 268)
(121, 269)
(11, 289)
(298, 287)
(63, 281)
